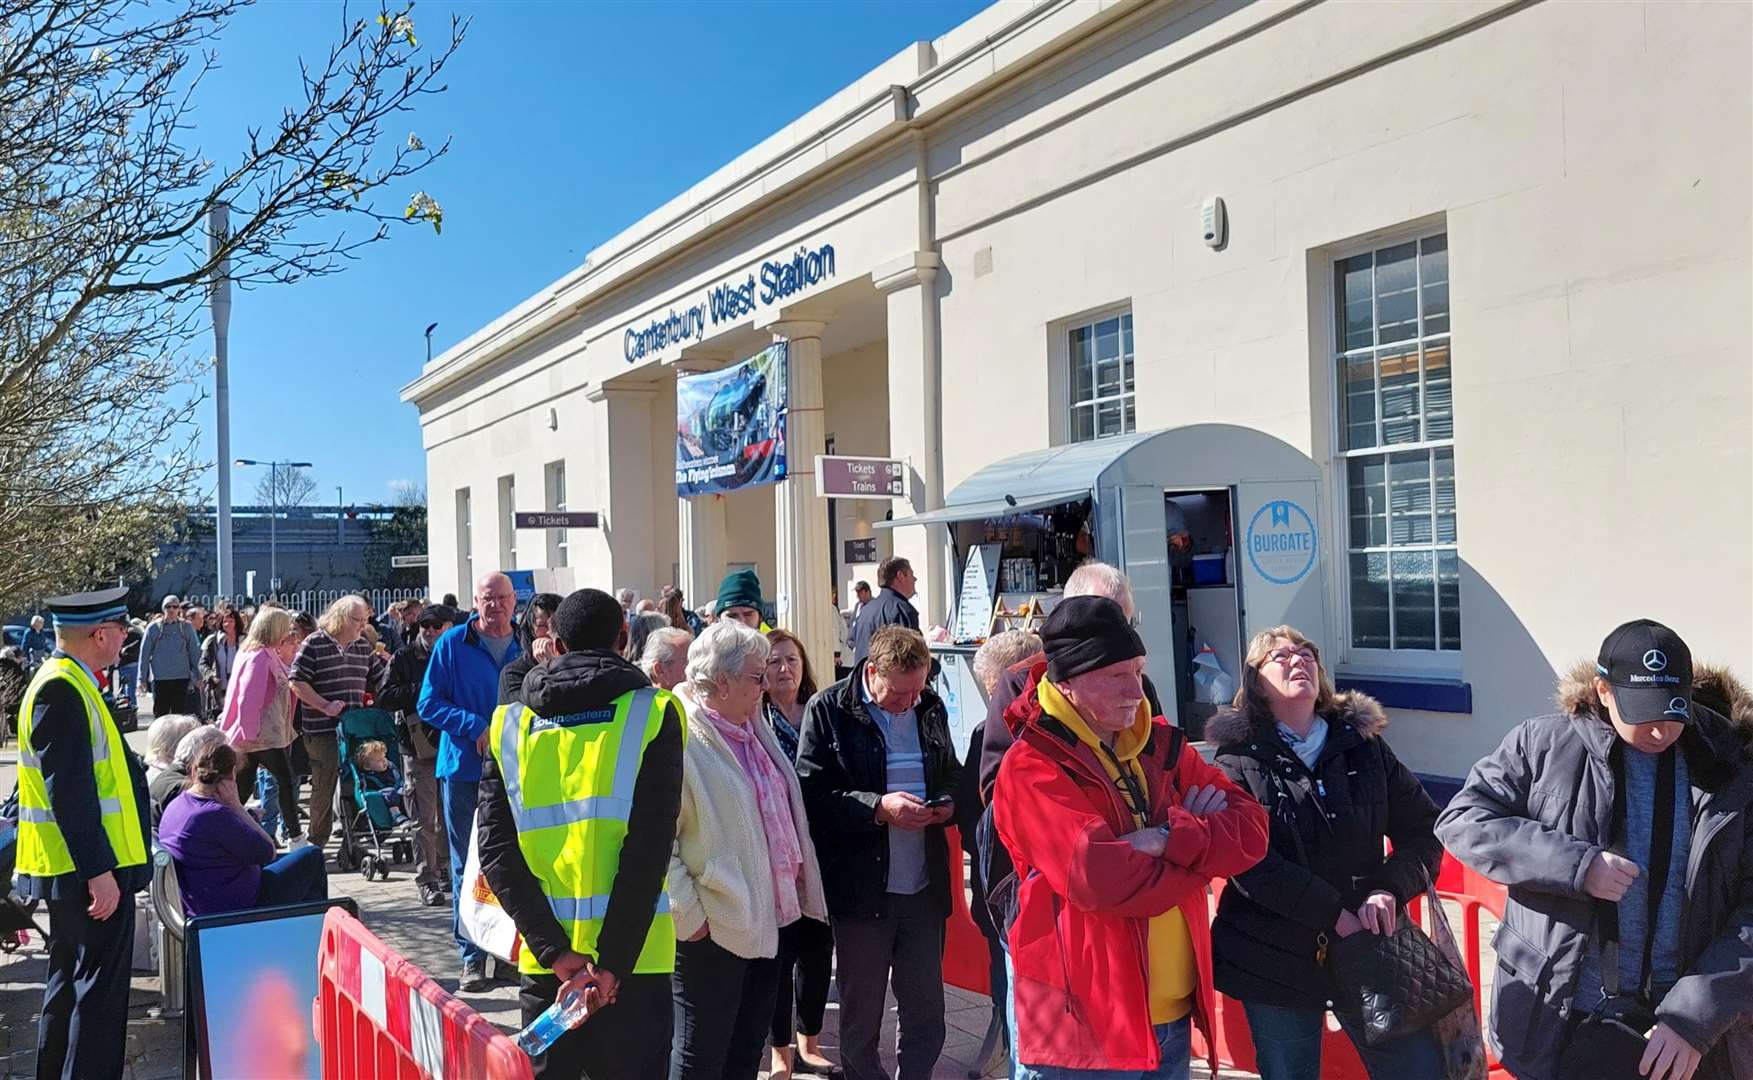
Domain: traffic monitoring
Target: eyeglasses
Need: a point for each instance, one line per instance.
(760, 680)
(1290, 656)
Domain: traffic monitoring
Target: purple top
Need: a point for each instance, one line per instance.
(219, 854)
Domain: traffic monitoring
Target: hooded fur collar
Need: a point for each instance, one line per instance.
(1356, 709)
(1713, 686)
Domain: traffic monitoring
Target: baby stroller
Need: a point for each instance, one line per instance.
(15, 913)
(373, 834)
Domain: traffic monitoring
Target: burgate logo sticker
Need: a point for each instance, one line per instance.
(1655, 660)
(1281, 542)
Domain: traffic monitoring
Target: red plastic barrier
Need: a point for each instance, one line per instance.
(964, 947)
(378, 1016)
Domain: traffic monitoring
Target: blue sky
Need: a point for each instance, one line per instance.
(569, 121)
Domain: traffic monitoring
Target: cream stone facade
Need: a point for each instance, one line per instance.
(1575, 179)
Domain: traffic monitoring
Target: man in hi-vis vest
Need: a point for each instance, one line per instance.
(82, 828)
(580, 790)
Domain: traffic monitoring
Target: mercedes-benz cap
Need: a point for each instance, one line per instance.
(1650, 670)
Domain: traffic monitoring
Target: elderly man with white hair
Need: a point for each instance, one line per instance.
(743, 812)
(665, 657)
(333, 670)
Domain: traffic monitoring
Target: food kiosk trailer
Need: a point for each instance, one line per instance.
(1217, 526)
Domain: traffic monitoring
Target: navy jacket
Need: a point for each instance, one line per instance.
(459, 696)
(886, 608)
(61, 738)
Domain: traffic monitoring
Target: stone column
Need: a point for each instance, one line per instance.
(916, 424)
(800, 524)
(625, 482)
(700, 529)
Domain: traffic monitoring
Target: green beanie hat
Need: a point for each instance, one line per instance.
(741, 588)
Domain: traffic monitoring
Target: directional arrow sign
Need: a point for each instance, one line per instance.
(556, 519)
(860, 477)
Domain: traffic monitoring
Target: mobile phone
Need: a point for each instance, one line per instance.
(941, 800)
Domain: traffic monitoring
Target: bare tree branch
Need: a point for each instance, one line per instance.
(104, 260)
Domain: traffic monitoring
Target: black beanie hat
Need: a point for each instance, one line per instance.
(589, 619)
(1083, 633)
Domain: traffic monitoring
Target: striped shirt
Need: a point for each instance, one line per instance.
(337, 674)
(906, 772)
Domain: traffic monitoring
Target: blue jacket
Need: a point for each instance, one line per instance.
(459, 695)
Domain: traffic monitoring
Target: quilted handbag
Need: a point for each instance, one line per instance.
(1387, 986)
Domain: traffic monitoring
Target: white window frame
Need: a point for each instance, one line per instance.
(1089, 321)
(554, 491)
(465, 540)
(1439, 662)
(508, 522)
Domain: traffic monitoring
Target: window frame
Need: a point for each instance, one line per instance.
(554, 496)
(465, 525)
(1070, 404)
(507, 513)
(1354, 659)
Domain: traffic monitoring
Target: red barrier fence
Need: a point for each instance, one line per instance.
(378, 1017)
(964, 965)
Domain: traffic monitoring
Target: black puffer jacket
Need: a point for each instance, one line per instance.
(1328, 824)
(842, 767)
(1534, 814)
(576, 682)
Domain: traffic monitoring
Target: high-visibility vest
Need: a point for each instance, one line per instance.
(570, 779)
(42, 847)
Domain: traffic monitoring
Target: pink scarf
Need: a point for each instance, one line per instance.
(784, 850)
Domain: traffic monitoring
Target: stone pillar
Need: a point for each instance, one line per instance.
(800, 522)
(625, 484)
(916, 423)
(700, 529)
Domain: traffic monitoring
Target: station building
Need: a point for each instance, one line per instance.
(1423, 327)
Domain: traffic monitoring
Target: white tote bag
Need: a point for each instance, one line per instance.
(484, 922)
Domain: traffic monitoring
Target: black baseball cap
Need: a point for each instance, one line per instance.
(1650, 670)
(438, 615)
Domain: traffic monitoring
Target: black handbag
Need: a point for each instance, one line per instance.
(1385, 986)
(1609, 1042)
(1388, 986)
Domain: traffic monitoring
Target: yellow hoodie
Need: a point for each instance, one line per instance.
(1173, 973)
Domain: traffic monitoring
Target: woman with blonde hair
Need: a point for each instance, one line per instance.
(743, 867)
(1317, 761)
(257, 715)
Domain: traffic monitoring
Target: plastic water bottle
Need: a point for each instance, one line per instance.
(566, 1013)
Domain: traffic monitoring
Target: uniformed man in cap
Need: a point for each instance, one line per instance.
(82, 838)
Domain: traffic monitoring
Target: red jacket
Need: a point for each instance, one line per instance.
(1086, 897)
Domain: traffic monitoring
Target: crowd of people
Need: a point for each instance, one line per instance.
(702, 838)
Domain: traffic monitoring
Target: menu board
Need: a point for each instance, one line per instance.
(979, 586)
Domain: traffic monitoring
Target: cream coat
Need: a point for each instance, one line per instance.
(720, 874)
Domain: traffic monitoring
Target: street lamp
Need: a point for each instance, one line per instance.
(274, 468)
